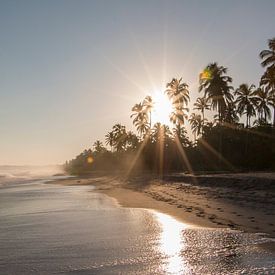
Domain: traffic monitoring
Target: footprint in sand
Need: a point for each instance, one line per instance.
(212, 217)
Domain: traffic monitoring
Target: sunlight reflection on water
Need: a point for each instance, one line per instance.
(171, 244)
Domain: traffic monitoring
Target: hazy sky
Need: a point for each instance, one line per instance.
(69, 70)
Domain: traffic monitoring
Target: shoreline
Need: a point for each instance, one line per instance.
(244, 202)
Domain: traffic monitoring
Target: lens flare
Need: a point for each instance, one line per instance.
(205, 74)
(90, 160)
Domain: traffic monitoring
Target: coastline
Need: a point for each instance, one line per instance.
(239, 201)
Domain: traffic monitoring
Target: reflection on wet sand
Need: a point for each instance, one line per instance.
(187, 250)
(171, 244)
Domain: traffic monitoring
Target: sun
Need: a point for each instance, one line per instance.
(162, 108)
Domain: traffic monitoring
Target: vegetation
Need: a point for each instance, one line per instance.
(224, 143)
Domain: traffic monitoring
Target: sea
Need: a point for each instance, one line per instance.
(48, 228)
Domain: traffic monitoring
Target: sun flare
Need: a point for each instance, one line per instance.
(162, 108)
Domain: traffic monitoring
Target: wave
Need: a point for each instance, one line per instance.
(10, 174)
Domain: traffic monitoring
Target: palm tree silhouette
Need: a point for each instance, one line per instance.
(181, 136)
(264, 99)
(215, 85)
(196, 123)
(140, 120)
(230, 113)
(110, 139)
(160, 133)
(132, 140)
(178, 93)
(98, 147)
(268, 80)
(148, 105)
(246, 101)
(268, 56)
(120, 136)
(202, 104)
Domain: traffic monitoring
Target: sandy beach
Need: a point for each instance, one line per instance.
(239, 201)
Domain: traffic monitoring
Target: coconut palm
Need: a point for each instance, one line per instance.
(215, 85)
(196, 123)
(268, 56)
(160, 132)
(178, 116)
(98, 147)
(246, 101)
(140, 118)
(120, 137)
(230, 113)
(132, 140)
(264, 100)
(178, 93)
(138, 112)
(110, 139)
(181, 136)
(148, 106)
(268, 80)
(202, 104)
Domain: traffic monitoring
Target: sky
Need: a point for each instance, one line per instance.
(70, 70)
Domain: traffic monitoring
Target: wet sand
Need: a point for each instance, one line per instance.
(239, 201)
(55, 229)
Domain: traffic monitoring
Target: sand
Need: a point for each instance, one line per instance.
(239, 201)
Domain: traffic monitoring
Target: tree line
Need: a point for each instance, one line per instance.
(223, 143)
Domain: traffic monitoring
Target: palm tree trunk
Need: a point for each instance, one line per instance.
(246, 120)
(178, 131)
(202, 121)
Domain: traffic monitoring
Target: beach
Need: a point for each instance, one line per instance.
(100, 225)
(238, 201)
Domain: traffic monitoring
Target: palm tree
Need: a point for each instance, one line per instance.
(264, 99)
(230, 114)
(138, 112)
(246, 101)
(98, 147)
(268, 56)
(110, 139)
(215, 85)
(148, 106)
(120, 136)
(268, 80)
(160, 133)
(202, 104)
(181, 136)
(140, 118)
(178, 93)
(132, 140)
(196, 123)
